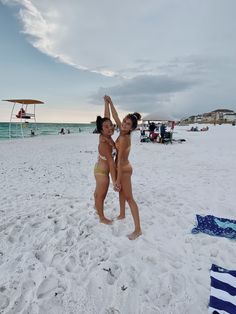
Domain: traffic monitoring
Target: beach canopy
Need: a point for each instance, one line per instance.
(156, 117)
(25, 101)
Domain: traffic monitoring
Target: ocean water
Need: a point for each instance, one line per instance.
(41, 129)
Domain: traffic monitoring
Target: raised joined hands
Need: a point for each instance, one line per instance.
(107, 98)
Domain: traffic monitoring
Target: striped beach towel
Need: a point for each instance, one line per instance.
(223, 291)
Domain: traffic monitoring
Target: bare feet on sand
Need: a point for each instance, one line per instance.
(106, 221)
(134, 235)
(120, 217)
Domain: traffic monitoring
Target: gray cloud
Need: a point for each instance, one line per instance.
(150, 85)
(177, 56)
(146, 93)
(104, 36)
(190, 85)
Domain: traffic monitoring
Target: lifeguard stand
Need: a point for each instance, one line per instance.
(21, 113)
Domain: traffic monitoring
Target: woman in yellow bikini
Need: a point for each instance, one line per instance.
(124, 168)
(105, 163)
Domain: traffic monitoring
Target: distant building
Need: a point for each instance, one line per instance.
(188, 120)
(198, 118)
(229, 117)
(216, 116)
(206, 117)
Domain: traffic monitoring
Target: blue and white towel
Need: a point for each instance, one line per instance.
(223, 291)
(215, 226)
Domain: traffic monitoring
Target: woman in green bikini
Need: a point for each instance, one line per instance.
(105, 163)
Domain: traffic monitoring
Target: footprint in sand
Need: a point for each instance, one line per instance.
(70, 237)
(1, 257)
(14, 233)
(113, 273)
(4, 302)
(36, 223)
(133, 274)
(85, 228)
(152, 259)
(57, 260)
(84, 257)
(178, 284)
(24, 298)
(173, 286)
(118, 228)
(112, 310)
(46, 287)
(3, 227)
(44, 257)
(214, 252)
(51, 306)
(70, 266)
(59, 224)
(71, 220)
(27, 286)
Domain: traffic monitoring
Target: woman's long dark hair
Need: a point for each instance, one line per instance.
(134, 117)
(99, 123)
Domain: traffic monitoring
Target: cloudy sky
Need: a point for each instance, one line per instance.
(174, 57)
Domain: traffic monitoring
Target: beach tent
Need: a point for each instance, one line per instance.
(157, 117)
(22, 112)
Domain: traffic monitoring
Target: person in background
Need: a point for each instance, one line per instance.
(172, 125)
(163, 132)
(152, 127)
(20, 113)
(62, 131)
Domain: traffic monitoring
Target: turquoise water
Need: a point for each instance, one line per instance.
(41, 129)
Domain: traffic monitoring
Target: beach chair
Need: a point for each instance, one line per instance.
(168, 137)
(26, 116)
(143, 137)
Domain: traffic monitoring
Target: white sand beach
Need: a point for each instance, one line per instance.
(55, 256)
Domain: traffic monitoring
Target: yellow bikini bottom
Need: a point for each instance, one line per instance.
(100, 171)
